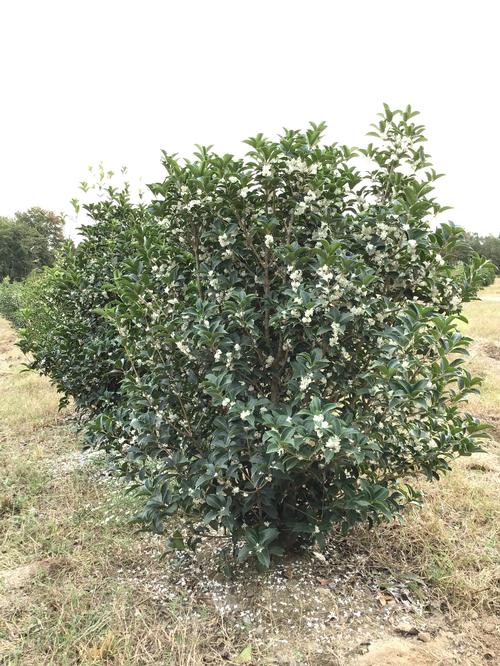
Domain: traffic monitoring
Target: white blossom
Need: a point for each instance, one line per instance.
(182, 347)
(295, 277)
(333, 443)
(296, 164)
(268, 240)
(223, 240)
(325, 273)
(305, 381)
(301, 208)
(306, 319)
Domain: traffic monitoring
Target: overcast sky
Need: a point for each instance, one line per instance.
(116, 81)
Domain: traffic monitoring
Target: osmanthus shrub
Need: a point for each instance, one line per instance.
(292, 339)
(63, 331)
(284, 337)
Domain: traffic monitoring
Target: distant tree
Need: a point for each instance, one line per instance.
(486, 246)
(48, 224)
(28, 241)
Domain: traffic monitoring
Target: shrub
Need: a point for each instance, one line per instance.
(278, 335)
(15, 296)
(68, 339)
(10, 300)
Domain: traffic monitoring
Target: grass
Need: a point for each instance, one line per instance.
(484, 315)
(78, 586)
(484, 327)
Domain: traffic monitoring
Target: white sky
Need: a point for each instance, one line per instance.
(114, 80)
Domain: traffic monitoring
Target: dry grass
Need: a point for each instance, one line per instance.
(484, 315)
(484, 327)
(77, 586)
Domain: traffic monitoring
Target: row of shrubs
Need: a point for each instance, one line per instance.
(269, 346)
(15, 295)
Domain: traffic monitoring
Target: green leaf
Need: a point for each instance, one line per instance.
(244, 656)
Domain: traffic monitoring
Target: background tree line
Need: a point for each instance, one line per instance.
(29, 241)
(486, 246)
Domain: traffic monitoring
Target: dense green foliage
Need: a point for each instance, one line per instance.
(29, 241)
(270, 346)
(16, 296)
(11, 301)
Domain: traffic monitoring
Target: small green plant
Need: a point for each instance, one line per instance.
(270, 347)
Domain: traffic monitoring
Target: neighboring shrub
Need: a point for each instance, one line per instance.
(68, 339)
(10, 301)
(15, 296)
(271, 346)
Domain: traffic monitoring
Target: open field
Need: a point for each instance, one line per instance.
(78, 586)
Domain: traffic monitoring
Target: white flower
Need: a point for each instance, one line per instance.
(335, 333)
(295, 277)
(268, 240)
(306, 319)
(223, 240)
(296, 164)
(413, 244)
(305, 381)
(322, 232)
(182, 347)
(320, 424)
(266, 170)
(439, 260)
(301, 208)
(233, 179)
(243, 192)
(226, 402)
(269, 361)
(333, 443)
(325, 273)
(245, 413)
(217, 355)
